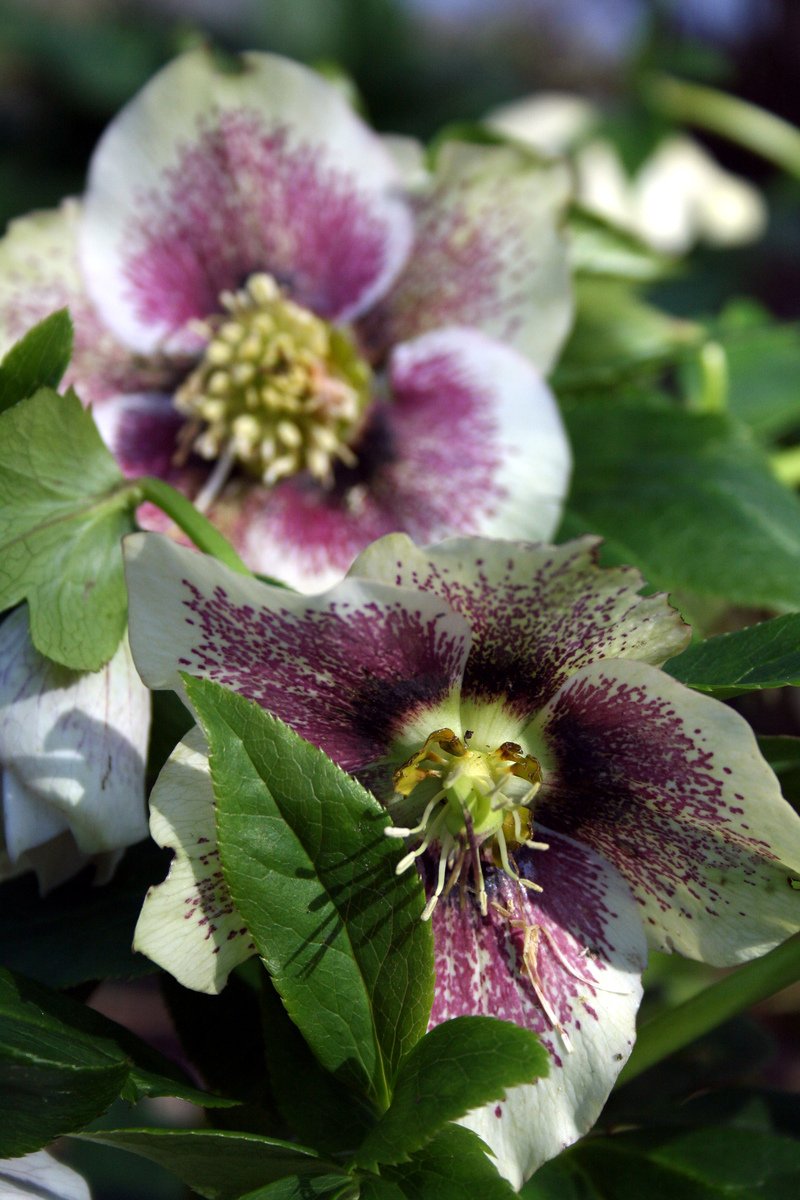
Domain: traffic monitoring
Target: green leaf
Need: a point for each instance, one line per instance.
(688, 498)
(64, 506)
(458, 1066)
(322, 1113)
(783, 755)
(452, 1166)
(599, 248)
(52, 1080)
(706, 1164)
(304, 854)
(37, 934)
(217, 1164)
(38, 360)
(618, 336)
(36, 1025)
(303, 1187)
(763, 368)
(763, 656)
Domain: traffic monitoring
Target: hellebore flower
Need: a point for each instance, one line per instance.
(563, 798)
(677, 197)
(264, 318)
(72, 754)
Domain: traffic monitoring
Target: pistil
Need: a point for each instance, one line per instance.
(477, 802)
(278, 390)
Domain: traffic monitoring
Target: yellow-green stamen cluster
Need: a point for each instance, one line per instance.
(278, 389)
(474, 801)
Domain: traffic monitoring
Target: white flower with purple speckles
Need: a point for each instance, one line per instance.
(267, 320)
(564, 799)
(72, 754)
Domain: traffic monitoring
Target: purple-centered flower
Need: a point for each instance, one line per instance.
(265, 318)
(565, 800)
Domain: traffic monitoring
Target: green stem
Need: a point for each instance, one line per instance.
(786, 465)
(713, 364)
(196, 527)
(672, 1030)
(745, 124)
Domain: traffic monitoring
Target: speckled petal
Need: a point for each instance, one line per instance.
(537, 613)
(39, 274)
(188, 924)
(669, 785)
(72, 746)
(351, 670)
(39, 1176)
(209, 175)
(142, 432)
(488, 253)
(471, 442)
(586, 952)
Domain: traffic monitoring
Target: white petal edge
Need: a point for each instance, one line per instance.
(140, 145)
(40, 1176)
(537, 1121)
(705, 839)
(188, 924)
(76, 741)
(530, 441)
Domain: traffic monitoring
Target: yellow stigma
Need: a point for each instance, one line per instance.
(474, 802)
(278, 390)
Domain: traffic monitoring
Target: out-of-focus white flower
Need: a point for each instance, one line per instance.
(39, 1176)
(679, 196)
(72, 753)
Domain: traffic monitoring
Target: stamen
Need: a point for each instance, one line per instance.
(397, 831)
(216, 480)
(280, 388)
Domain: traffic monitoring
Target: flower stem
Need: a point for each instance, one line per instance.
(713, 365)
(672, 1030)
(196, 527)
(741, 122)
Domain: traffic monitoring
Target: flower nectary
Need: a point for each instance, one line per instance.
(481, 803)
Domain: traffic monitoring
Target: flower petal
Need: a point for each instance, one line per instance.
(537, 614)
(472, 442)
(209, 175)
(669, 785)
(586, 951)
(39, 274)
(550, 122)
(350, 670)
(188, 924)
(488, 253)
(681, 195)
(72, 746)
(42, 1177)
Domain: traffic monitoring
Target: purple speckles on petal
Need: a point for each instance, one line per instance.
(536, 959)
(243, 198)
(471, 265)
(345, 673)
(537, 613)
(632, 777)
